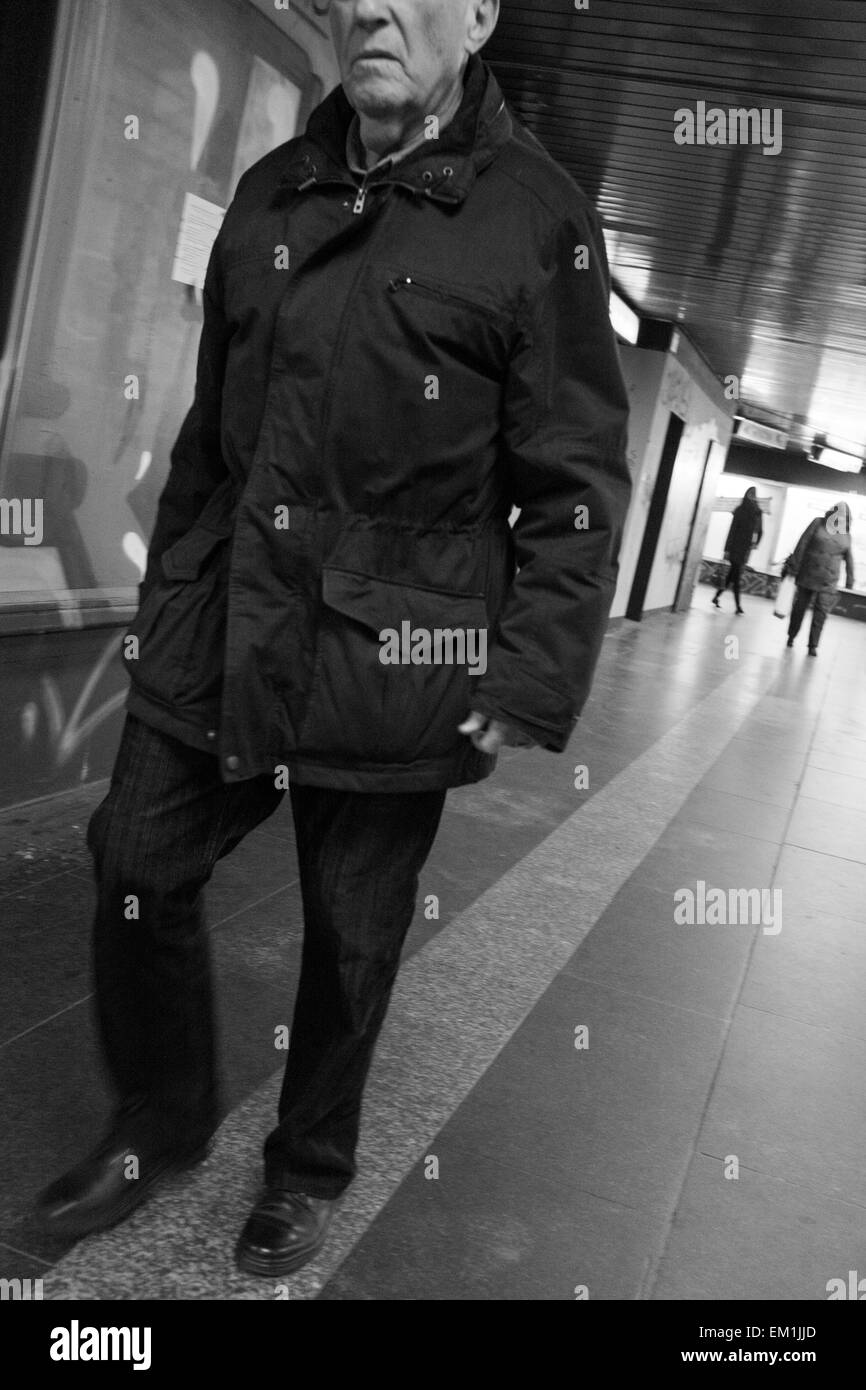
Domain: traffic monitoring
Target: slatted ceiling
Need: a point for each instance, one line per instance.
(761, 258)
(689, 42)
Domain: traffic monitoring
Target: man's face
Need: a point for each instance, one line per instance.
(398, 57)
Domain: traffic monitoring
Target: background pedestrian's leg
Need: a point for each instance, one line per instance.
(825, 602)
(798, 610)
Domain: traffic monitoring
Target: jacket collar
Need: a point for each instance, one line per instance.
(443, 169)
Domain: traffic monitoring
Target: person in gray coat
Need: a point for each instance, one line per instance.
(815, 564)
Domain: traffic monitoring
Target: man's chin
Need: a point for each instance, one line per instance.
(375, 98)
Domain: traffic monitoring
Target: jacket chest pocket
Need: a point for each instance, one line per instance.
(427, 365)
(436, 292)
(446, 323)
(393, 670)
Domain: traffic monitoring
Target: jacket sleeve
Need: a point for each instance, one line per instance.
(197, 466)
(799, 555)
(849, 566)
(732, 531)
(565, 413)
(758, 531)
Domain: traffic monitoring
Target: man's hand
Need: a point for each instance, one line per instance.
(488, 735)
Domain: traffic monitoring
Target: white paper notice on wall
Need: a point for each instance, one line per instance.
(200, 221)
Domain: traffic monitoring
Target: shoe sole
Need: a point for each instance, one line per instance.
(105, 1220)
(261, 1265)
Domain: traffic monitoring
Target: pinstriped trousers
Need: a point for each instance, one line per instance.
(155, 839)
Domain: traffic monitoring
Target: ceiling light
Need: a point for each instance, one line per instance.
(834, 458)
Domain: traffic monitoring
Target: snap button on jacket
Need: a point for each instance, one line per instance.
(376, 390)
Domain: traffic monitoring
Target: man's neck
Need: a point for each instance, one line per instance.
(382, 138)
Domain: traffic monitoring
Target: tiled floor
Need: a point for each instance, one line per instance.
(616, 1100)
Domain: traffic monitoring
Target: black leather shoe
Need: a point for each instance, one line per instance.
(813, 651)
(101, 1190)
(284, 1231)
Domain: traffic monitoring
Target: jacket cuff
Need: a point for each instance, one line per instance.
(529, 705)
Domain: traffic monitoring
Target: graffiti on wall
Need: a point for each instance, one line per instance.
(67, 733)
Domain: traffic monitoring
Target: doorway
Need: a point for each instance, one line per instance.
(655, 516)
(683, 598)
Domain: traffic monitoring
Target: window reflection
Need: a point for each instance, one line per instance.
(163, 107)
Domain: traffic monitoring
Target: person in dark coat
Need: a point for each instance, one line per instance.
(744, 533)
(406, 335)
(816, 564)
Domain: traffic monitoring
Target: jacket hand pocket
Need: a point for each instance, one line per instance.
(188, 556)
(392, 678)
(181, 623)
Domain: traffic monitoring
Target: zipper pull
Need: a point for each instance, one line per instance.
(361, 199)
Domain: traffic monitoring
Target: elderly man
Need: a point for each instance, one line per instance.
(405, 336)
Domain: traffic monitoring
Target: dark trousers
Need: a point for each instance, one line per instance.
(734, 578)
(166, 820)
(824, 602)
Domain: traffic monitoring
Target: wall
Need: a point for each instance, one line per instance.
(209, 81)
(643, 372)
(302, 22)
(160, 105)
(659, 385)
(61, 711)
(791, 466)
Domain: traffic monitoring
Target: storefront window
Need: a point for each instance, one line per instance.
(157, 111)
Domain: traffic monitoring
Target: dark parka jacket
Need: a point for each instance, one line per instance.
(745, 531)
(383, 373)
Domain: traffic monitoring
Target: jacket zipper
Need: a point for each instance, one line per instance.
(361, 199)
(342, 330)
(361, 190)
(414, 285)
